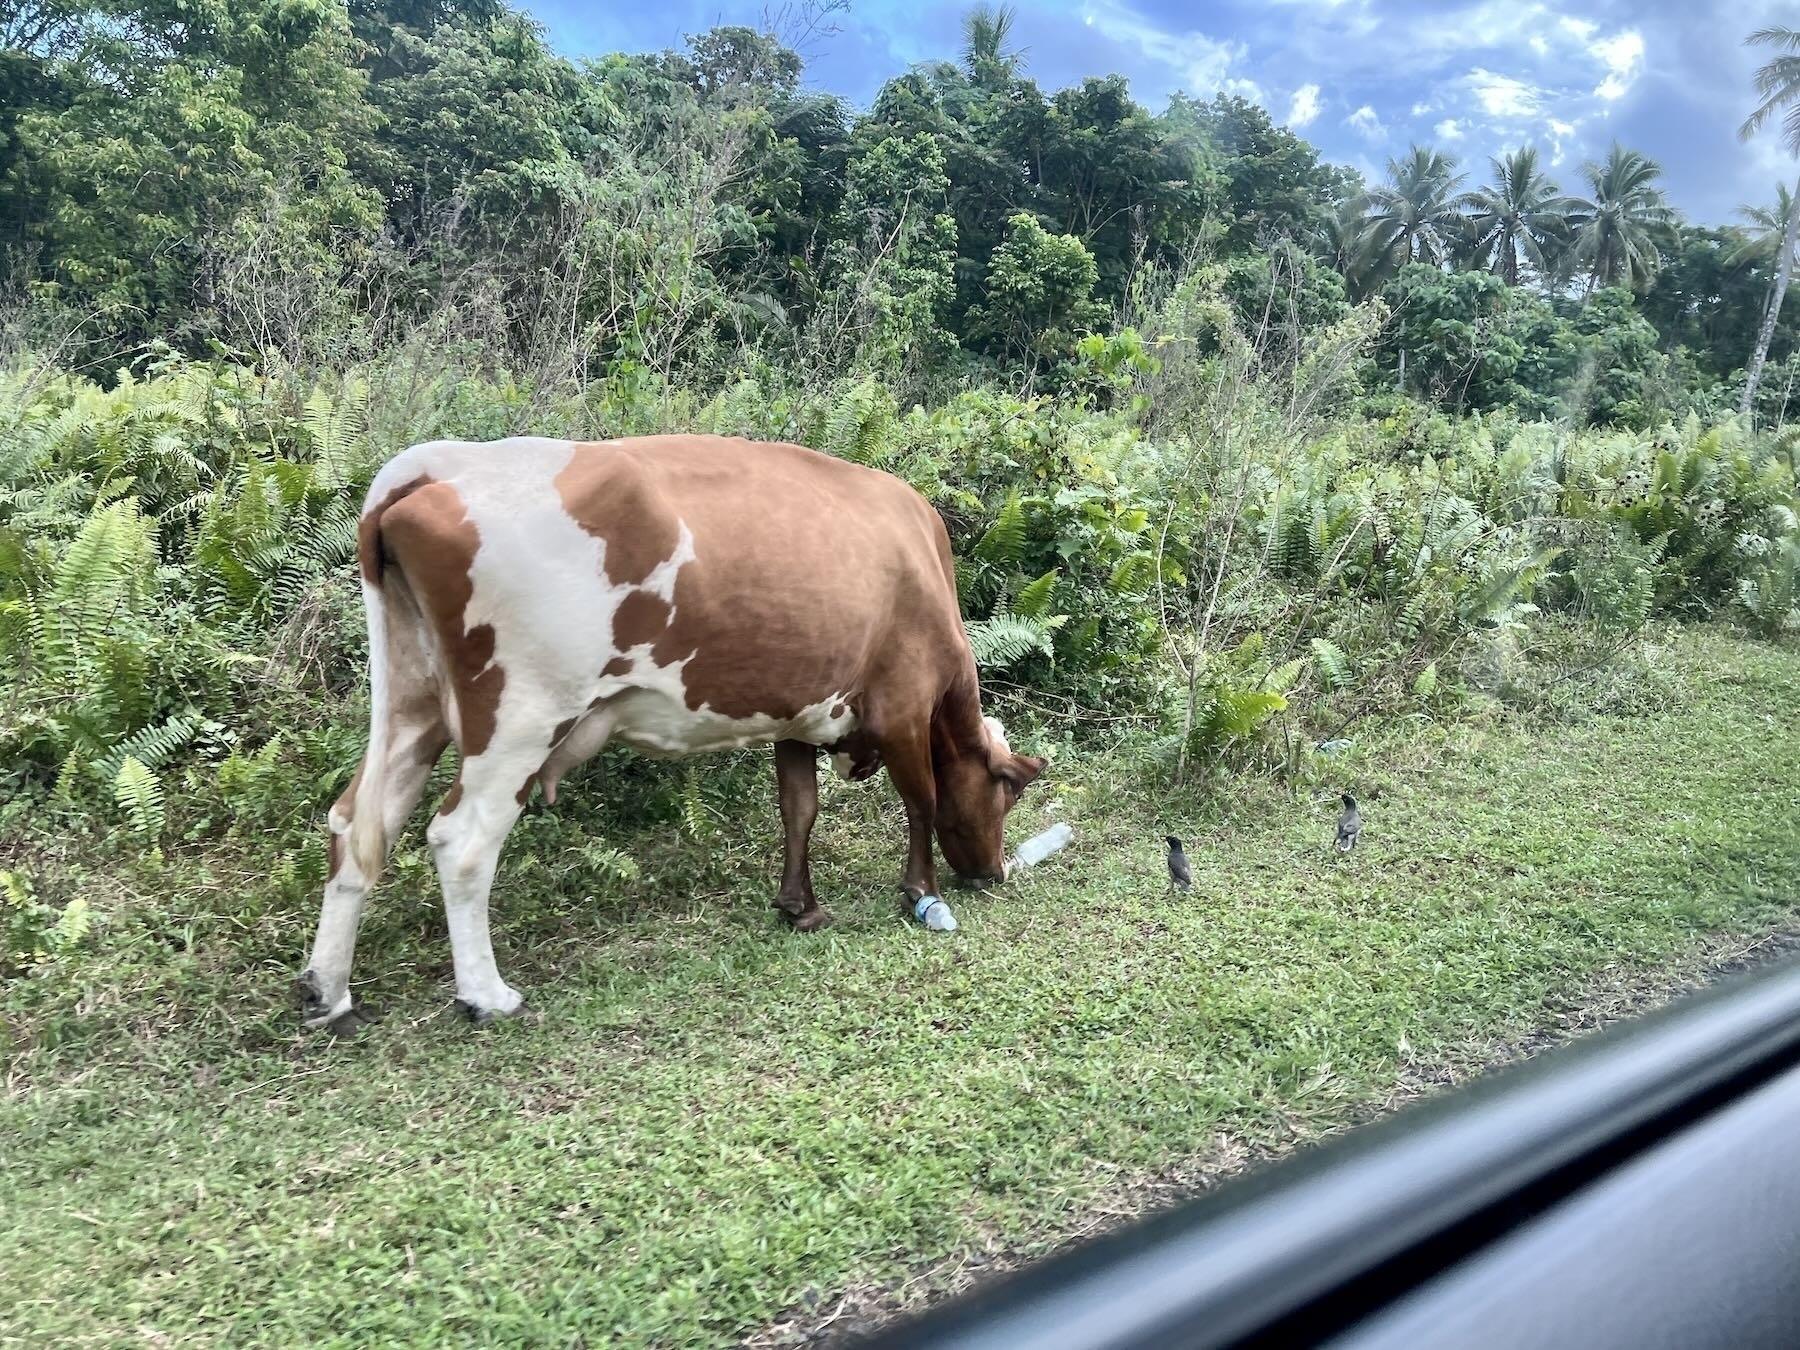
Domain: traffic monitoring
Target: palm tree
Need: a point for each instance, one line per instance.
(1517, 216)
(1617, 231)
(1416, 215)
(1341, 240)
(988, 55)
(1778, 86)
(1763, 234)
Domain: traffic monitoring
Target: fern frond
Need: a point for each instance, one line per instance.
(1131, 574)
(1004, 541)
(1334, 666)
(152, 747)
(1034, 598)
(1281, 679)
(1007, 639)
(72, 925)
(139, 794)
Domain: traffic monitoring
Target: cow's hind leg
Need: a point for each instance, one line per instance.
(466, 838)
(414, 745)
(797, 784)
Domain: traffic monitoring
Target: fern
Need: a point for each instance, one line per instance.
(333, 426)
(151, 747)
(1007, 639)
(1281, 679)
(72, 925)
(1498, 595)
(139, 795)
(696, 818)
(1426, 683)
(1239, 712)
(611, 862)
(857, 425)
(1004, 541)
(1131, 574)
(1334, 666)
(1034, 599)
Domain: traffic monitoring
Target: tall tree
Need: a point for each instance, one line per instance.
(1267, 183)
(1416, 216)
(1710, 292)
(988, 54)
(1516, 217)
(1618, 229)
(191, 136)
(1765, 225)
(1778, 86)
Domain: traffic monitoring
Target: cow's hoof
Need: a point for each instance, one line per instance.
(486, 1017)
(342, 1021)
(313, 1008)
(812, 920)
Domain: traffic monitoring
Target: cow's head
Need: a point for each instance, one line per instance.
(976, 789)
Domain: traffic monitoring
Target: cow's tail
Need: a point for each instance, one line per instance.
(368, 841)
(368, 844)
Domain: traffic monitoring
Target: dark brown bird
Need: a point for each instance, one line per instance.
(1179, 875)
(1349, 825)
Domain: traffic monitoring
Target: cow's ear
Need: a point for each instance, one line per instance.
(1019, 770)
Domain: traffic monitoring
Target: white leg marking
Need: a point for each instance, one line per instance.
(334, 946)
(466, 844)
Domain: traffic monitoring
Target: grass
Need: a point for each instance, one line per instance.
(713, 1120)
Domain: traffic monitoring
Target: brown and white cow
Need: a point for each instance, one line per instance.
(533, 599)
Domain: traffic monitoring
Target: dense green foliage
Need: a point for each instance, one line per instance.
(298, 180)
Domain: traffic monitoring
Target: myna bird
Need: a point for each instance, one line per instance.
(1349, 825)
(1179, 876)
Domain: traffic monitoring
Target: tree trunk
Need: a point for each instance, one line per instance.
(1766, 333)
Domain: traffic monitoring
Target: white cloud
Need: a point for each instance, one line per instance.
(1621, 53)
(1538, 44)
(1202, 63)
(1365, 123)
(1448, 130)
(1305, 106)
(1583, 29)
(1559, 132)
(1502, 95)
(1486, 26)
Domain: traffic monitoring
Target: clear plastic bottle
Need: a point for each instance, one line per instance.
(1040, 846)
(935, 914)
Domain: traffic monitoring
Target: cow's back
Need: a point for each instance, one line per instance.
(759, 582)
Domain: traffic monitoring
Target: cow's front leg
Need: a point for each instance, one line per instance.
(465, 840)
(908, 761)
(797, 785)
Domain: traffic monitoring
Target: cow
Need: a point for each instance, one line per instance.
(530, 600)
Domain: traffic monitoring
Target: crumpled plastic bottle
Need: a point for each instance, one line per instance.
(935, 914)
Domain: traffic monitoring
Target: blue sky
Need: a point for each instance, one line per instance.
(1358, 78)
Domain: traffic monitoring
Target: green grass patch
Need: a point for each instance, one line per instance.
(713, 1116)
